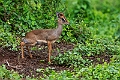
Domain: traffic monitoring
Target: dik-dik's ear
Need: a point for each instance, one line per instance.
(57, 14)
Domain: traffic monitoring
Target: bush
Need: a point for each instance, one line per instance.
(63, 75)
(94, 28)
(86, 19)
(71, 59)
(101, 72)
(98, 46)
(6, 74)
(19, 17)
(11, 75)
(76, 33)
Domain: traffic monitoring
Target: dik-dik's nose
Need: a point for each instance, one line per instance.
(67, 23)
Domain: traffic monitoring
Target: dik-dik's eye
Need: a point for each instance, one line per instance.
(63, 20)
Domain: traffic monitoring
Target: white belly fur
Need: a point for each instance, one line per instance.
(44, 41)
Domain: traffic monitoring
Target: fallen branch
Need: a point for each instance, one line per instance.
(15, 67)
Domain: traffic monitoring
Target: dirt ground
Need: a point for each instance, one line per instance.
(28, 66)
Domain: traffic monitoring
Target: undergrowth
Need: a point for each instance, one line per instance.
(104, 71)
(94, 29)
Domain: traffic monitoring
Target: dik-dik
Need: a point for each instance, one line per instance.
(49, 36)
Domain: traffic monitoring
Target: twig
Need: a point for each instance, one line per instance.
(15, 67)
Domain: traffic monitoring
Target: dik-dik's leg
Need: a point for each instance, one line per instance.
(29, 51)
(49, 50)
(22, 50)
(28, 43)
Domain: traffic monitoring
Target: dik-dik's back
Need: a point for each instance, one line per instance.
(44, 35)
(38, 36)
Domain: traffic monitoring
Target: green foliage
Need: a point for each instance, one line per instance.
(105, 6)
(11, 75)
(89, 48)
(7, 38)
(6, 74)
(97, 47)
(100, 72)
(20, 16)
(81, 11)
(63, 75)
(94, 28)
(76, 33)
(87, 19)
(115, 59)
(71, 59)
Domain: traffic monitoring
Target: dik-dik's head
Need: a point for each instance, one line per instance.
(62, 19)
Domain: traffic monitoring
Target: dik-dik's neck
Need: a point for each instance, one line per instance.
(59, 29)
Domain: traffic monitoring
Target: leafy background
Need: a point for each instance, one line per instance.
(94, 29)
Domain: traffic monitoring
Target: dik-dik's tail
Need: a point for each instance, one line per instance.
(24, 40)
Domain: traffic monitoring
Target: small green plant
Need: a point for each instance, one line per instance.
(97, 47)
(11, 75)
(6, 74)
(63, 75)
(100, 72)
(76, 33)
(71, 59)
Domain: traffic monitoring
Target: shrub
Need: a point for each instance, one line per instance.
(63, 75)
(101, 72)
(11, 75)
(19, 17)
(98, 46)
(71, 59)
(6, 74)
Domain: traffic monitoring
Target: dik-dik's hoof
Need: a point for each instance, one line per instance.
(30, 56)
(49, 62)
(23, 57)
